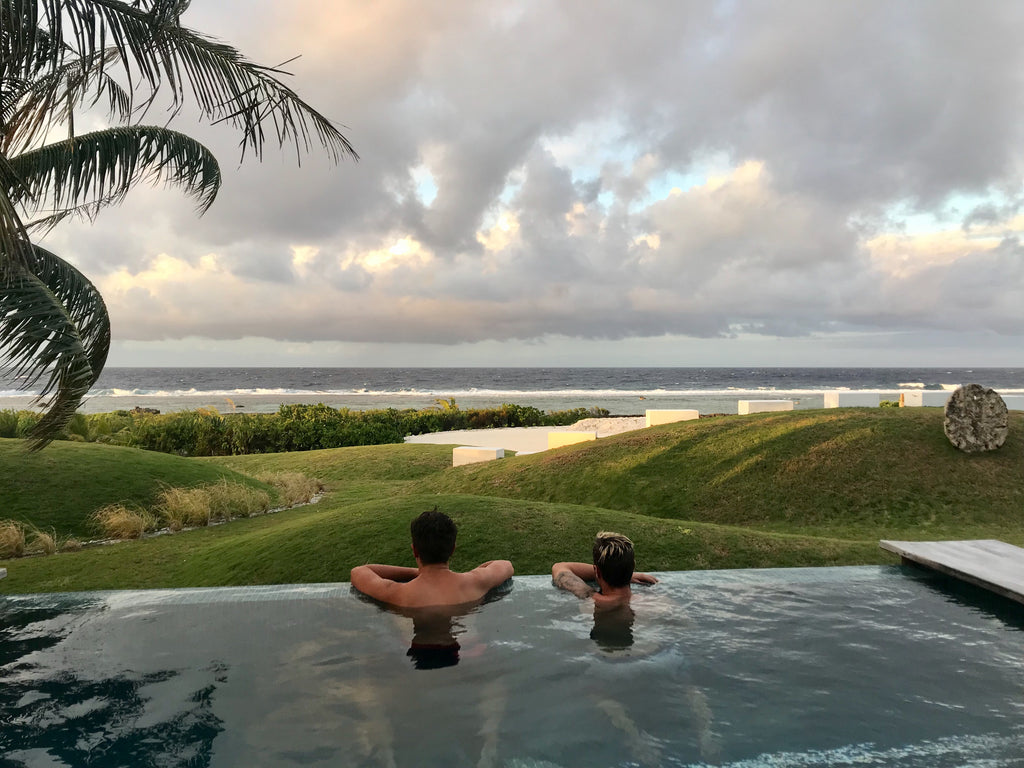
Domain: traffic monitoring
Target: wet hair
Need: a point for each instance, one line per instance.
(613, 557)
(433, 537)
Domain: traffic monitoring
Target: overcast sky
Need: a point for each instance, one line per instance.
(598, 183)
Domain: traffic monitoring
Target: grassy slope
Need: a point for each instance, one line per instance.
(803, 488)
(323, 542)
(60, 487)
(853, 473)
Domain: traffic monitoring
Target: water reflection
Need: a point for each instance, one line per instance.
(74, 719)
(613, 628)
(434, 642)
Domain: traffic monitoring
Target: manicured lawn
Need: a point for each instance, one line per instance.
(790, 489)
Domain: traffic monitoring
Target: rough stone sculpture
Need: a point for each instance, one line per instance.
(976, 419)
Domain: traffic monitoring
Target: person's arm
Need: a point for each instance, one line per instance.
(573, 577)
(393, 572)
(379, 581)
(492, 573)
(643, 578)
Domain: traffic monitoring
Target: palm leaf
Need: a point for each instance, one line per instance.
(30, 109)
(14, 244)
(102, 166)
(54, 329)
(155, 49)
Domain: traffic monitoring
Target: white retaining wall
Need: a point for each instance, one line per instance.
(473, 454)
(841, 399)
(560, 439)
(760, 406)
(656, 416)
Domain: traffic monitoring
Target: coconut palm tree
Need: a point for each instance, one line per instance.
(58, 58)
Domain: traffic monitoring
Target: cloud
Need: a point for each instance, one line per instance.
(599, 171)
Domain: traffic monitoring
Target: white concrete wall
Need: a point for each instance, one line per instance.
(656, 416)
(836, 398)
(474, 454)
(915, 398)
(560, 439)
(760, 406)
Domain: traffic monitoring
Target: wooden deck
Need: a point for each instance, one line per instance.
(988, 563)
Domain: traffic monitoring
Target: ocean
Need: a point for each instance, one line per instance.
(622, 391)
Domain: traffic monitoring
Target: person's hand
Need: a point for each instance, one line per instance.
(643, 578)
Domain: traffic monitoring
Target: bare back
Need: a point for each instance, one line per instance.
(433, 585)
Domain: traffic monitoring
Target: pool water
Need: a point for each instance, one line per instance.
(784, 667)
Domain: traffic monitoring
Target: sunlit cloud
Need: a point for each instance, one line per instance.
(590, 173)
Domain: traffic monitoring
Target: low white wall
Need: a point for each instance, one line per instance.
(915, 398)
(760, 406)
(841, 399)
(473, 454)
(560, 439)
(656, 416)
(3, 573)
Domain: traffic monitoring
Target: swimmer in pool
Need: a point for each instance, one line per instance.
(432, 582)
(612, 569)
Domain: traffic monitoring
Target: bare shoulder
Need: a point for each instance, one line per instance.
(369, 583)
(492, 573)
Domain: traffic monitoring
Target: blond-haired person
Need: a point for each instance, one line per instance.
(612, 569)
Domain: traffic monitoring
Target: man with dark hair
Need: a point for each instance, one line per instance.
(612, 570)
(431, 583)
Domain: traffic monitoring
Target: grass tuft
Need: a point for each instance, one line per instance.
(12, 539)
(293, 488)
(116, 521)
(184, 508)
(41, 543)
(230, 500)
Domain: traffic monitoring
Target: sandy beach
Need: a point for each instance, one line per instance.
(528, 439)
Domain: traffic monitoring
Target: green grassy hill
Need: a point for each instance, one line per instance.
(60, 487)
(798, 488)
(861, 472)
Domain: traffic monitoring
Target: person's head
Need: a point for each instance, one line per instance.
(433, 537)
(613, 558)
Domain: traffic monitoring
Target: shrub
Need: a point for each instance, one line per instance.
(27, 421)
(12, 539)
(293, 488)
(70, 545)
(8, 423)
(303, 427)
(79, 429)
(889, 404)
(116, 521)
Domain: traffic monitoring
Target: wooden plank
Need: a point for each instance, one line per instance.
(987, 563)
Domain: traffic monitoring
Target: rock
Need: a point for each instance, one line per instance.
(976, 419)
(137, 411)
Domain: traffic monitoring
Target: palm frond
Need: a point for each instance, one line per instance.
(30, 109)
(54, 329)
(155, 49)
(102, 166)
(229, 88)
(14, 243)
(43, 225)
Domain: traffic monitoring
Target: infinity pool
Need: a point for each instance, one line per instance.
(784, 668)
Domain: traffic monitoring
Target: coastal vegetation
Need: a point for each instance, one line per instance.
(798, 488)
(206, 432)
